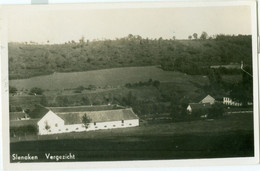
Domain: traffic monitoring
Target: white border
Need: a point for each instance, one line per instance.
(129, 164)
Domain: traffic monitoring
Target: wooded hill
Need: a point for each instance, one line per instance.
(188, 56)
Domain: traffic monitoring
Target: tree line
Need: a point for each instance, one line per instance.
(189, 56)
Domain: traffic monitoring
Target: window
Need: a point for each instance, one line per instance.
(95, 123)
(56, 125)
(130, 124)
(77, 128)
(105, 126)
(67, 129)
(114, 126)
(96, 127)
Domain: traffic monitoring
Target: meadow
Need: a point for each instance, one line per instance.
(106, 77)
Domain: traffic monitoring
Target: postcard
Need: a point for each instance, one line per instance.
(129, 85)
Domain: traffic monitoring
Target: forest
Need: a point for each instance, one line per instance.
(191, 56)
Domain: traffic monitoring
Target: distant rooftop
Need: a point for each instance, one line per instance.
(230, 66)
(16, 115)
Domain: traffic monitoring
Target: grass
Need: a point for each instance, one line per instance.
(232, 78)
(107, 77)
(108, 82)
(234, 122)
(231, 136)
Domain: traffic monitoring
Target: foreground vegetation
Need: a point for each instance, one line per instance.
(151, 140)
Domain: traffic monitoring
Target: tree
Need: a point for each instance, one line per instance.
(85, 101)
(86, 120)
(241, 94)
(47, 126)
(62, 101)
(79, 89)
(215, 77)
(190, 37)
(44, 101)
(216, 111)
(12, 90)
(82, 40)
(204, 35)
(130, 99)
(178, 113)
(195, 35)
(156, 84)
(36, 91)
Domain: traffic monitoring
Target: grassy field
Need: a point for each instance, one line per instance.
(108, 82)
(231, 136)
(107, 77)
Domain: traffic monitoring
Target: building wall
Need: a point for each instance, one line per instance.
(230, 102)
(208, 99)
(189, 108)
(54, 122)
(92, 126)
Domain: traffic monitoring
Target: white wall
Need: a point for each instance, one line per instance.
(189, 108)
(80, 127)
(228, 101)
(114, 124)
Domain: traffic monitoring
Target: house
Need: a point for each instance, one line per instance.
(56, 120)
(202, 106)
(228, 101)
(18, 116)
(229, 66)
(192, 107)
(208, 99)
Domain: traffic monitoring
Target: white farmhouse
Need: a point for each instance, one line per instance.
(56, 120)
(228, 101)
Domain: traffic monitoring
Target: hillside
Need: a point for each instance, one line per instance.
(104, 78)
(188, 56)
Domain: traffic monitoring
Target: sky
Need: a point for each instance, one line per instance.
(58, 25)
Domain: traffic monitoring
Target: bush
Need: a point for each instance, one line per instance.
(23, 130)
(15, 108)
(79, 89)
(216, 111)
(36, 91)
(12, 90)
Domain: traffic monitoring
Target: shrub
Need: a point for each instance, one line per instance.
(216, 111)
(36, 91)
(23, 130)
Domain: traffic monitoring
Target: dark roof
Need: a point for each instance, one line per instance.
(195, 106)
(98, 116)
(20, 123)
(84, 108)
(16, 115)
(38, 112)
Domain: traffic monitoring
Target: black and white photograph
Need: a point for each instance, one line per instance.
(130, 82)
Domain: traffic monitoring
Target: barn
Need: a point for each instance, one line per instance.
(56, 120)
(208, 99)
